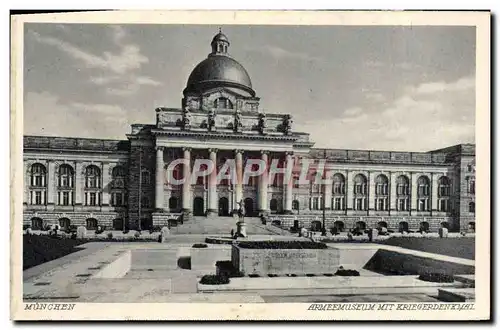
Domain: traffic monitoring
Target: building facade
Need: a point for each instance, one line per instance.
(113, 183)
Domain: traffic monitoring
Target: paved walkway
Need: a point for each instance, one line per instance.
(435, 256)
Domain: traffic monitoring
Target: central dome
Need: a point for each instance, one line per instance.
(219, 70)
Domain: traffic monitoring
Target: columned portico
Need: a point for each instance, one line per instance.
(160, 180)
(288, 184)
(263, 183)
(186, 186)
(212, 184)
(238, 187)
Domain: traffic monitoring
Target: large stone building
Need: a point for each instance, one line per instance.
(78, 181)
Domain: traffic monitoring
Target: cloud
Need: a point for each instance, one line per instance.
(375, 96)
(425, 117)
(129, 58)
(279, 53)
(118, 69)
(45, 113)
(466, 83)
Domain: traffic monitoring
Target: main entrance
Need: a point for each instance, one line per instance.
(223, 207)
(249, 212)
(198, 206)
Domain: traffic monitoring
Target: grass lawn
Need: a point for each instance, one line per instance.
(38, 249)
(460, 247)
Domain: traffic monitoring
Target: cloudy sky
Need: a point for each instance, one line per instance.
(383, 88)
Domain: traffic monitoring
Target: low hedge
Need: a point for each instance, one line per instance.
(199, 245)
(282, 245)
(347, 272)
(436, 277)
(214, 279)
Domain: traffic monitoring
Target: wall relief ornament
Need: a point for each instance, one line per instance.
(192, 104)
(238, 125)
(287, 124)
(186, 119)
(262, 122)
(211, 120)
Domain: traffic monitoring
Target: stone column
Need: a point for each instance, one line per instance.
(392, 191)
(186, 187)
(288, 183)
(371, 191)
(78, 184)
(238, 187)
(106, 181)
(263, 184)
(350, 191)
(327, 192)
(51, 183)
(160, 180)
(434, 192)
(212, 184)
(413, 192)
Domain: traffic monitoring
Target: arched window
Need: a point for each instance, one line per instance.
(402, 193)
(38, 175)
(338, 187)
(423, 193)
(223, 103)
(381, 193)
(118, 176)
(472, 186)
(444, 194)
(444, 186)
(92, 177)
(145, 177)
(360, 192)
(66, 176)
(472, 207)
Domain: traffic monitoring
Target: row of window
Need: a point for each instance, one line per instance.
(66, 198)
(381, 204)
(360, 184)
(66, 176)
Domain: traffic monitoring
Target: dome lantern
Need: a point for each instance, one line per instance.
(220, 43)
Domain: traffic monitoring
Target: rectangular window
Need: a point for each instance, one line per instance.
(403, 204)
(381, 204)
(338, 203)
(65, 198)
(92, 199)
(38, 181)
(358, 204)
(38, 198)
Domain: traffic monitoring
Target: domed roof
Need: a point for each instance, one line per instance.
(219, 70)
(220, 36)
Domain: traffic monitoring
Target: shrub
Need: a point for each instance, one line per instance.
(334, 231)
(347, 272)
(199, 245)
(73, 235)
(110, 235)
(281, 245)
(26, 227)
(225, 267)
(253, 275)
(99, 230)
(272, 275)
(137, 234)
(214, 279)
(310, 275)
(436, 277)
(328, 274)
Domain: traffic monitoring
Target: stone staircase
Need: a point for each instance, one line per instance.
(220, 226)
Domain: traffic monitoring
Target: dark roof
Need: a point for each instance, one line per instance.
(74, 144)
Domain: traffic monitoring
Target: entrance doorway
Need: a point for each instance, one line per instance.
(198, 206)
(249, 212)
(223, 207)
